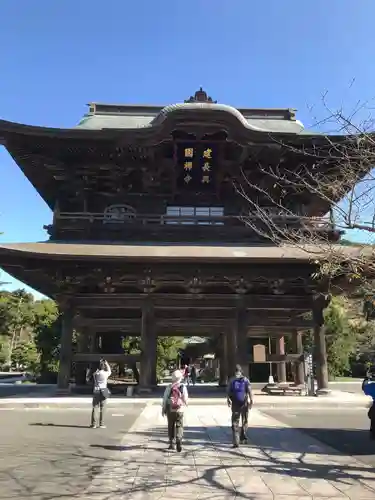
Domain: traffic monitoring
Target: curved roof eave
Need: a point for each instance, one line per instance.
(79, 251)
(211, 107)
(8, 128)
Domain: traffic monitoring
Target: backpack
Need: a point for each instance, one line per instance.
(239, 390)
(175, 397)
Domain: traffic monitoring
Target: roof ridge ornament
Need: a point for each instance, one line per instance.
(200, 96)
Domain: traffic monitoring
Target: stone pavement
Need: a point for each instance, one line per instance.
(279, 463)
(338, 399)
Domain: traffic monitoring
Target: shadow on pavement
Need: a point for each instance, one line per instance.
(343, 441)
(65, 468)
(128, 448)
(42, 424)
(274, 451)
(41, 461)
(355, 442)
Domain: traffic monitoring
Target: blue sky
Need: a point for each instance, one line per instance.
(56, 56)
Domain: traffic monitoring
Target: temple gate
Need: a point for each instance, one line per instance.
(149, 237)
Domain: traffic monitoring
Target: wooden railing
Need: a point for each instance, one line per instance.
(319, 223)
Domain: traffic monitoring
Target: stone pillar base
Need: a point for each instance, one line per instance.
(63, 391)
(144, 390)
(323, 392)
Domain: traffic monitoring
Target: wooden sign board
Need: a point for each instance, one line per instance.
(281, 358)
(259, 353)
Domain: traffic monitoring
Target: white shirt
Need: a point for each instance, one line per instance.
(101, 379)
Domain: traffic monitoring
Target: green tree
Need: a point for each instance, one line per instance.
(167, 349)
(47, 327)
(26, 357)
(342, 338)
(16, 322)
(132, 345)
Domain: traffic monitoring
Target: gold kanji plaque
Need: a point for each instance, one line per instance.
(189, 152)
(207, 153)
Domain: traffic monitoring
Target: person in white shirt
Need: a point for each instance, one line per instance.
(174, 403)
(101, 393)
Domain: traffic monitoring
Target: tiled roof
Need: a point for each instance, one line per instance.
(130, 117)
(175, 252)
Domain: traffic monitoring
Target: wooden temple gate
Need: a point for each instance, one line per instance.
(250, 304)
(149, 234)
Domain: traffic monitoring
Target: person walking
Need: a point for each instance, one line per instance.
(186, 375)
(368, 387)
(240, 400)
(193, 375)
(101, 393)
(174, 403)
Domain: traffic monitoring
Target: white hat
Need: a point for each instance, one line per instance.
(177, 376)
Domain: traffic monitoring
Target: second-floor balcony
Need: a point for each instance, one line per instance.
(122, 223)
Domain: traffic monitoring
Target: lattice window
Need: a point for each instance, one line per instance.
(191, 216)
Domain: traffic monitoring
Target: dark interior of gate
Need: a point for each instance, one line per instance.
(149, 235)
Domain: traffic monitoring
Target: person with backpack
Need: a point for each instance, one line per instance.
(174, 403)
(240, 400)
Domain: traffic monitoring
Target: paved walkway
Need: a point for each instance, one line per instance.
(279, 463)
(337, 399)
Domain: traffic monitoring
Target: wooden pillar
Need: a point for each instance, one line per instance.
(320, 303)
(82, 366)
(281, 367)
(231, 342)
(154, 356)
(298, 348)
(147, 352)
(65, 364)
(91, 347)
(240, 332)
(223, 379)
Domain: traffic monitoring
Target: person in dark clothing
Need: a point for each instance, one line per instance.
(240, 400)
(193, 375)
(368, 387)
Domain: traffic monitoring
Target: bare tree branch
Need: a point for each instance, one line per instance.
(319, 187)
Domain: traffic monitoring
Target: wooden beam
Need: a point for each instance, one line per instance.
(131, 324)
(280, 358)
(190, 314)
(134, 324)
(92, 357)
(186, 301)
(296, 323)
